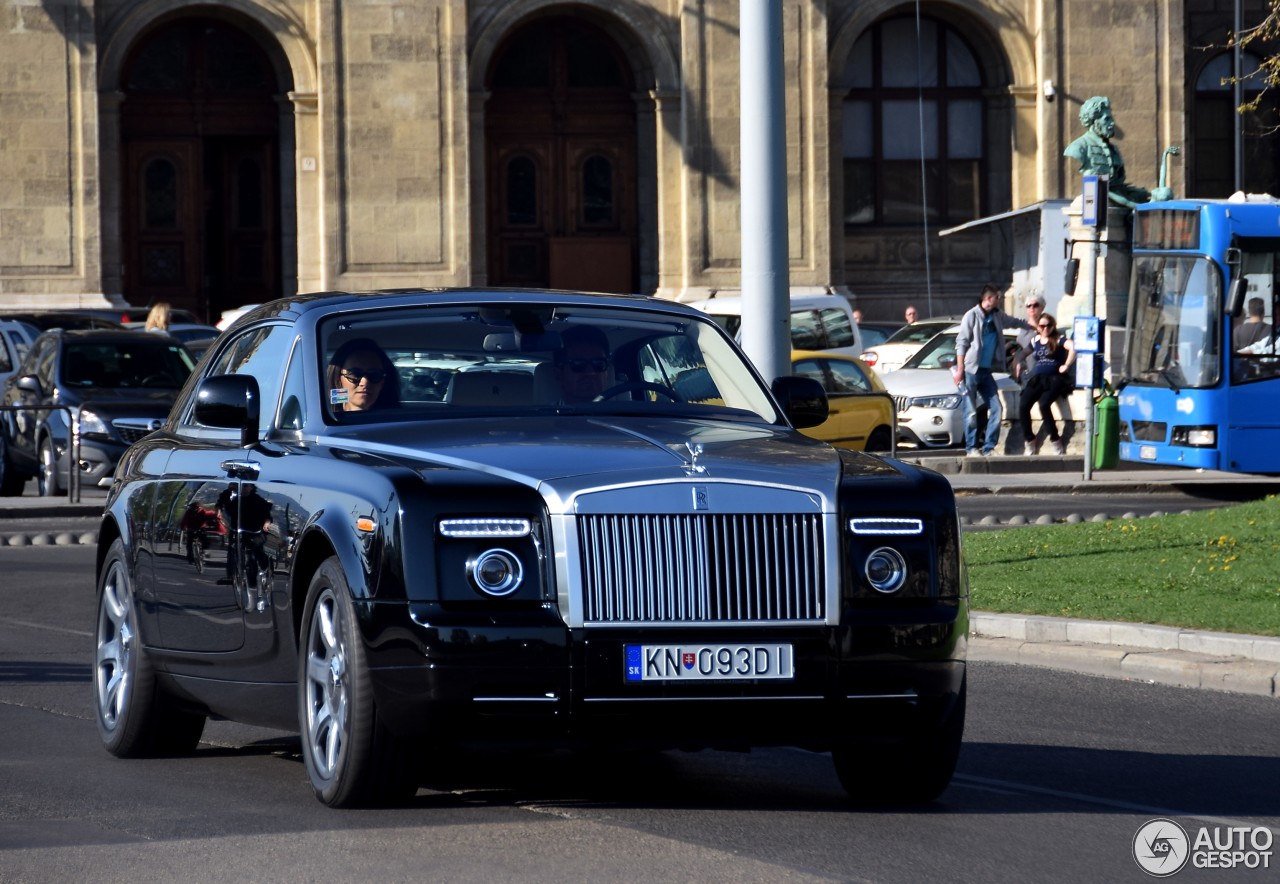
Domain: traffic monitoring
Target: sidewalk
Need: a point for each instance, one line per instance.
(1159, 654)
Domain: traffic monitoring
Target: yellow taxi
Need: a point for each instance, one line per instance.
(862, 412)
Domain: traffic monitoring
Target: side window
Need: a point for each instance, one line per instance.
(810, 368)
(6, 361)
(260, 352)
(293, 404)
(806, 331)
(42, 364)
(839, 329)
(848, 378)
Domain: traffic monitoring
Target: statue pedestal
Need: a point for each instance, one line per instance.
(1111, 298)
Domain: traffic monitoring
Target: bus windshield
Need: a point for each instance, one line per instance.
(1175, 313)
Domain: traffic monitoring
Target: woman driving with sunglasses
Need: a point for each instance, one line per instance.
(361, 377)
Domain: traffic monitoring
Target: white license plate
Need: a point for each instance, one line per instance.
(699, 662)
(1147, 452)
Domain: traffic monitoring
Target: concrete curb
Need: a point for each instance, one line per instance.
(1170, 655)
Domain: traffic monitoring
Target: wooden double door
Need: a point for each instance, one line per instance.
(202, 225)
(200, 180)
(560, 139)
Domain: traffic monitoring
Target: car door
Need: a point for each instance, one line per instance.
(26, 401)
(215, 577)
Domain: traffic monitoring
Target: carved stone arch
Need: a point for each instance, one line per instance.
(290, 55)
(647, 43)
(641, 33)
(1003, 46)
(282, 35)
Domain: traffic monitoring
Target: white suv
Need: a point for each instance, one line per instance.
(818, 322)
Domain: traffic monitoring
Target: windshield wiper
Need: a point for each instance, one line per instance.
(1166, 375)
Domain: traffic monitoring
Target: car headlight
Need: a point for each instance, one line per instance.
(92, 424)
(1195, 437)
(950, 400)
(886, 570)
(495, 572)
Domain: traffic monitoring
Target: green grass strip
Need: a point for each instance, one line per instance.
(1215, 569)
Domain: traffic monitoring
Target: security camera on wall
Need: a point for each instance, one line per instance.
(1050, 93)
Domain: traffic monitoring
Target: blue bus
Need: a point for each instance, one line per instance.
(1200, 381)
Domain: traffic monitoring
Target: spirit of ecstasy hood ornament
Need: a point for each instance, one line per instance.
(692, 467)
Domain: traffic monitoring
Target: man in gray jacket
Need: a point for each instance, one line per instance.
(979, 355)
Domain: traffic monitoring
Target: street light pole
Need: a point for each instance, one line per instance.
(766, 283)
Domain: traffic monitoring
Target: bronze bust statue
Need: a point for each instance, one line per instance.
(1098, 156)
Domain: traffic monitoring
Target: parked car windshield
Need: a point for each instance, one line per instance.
(405, 364)
(146, 363)
(918, 333)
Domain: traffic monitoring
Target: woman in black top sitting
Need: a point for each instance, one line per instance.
(1050, 380)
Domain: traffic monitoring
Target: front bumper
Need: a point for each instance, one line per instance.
(527, 680)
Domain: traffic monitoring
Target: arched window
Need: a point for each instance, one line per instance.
(1216, 119)
(916, 94)
(160, 195)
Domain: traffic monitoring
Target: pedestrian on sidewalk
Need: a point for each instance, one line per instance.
(980, 353)
(1052, 358)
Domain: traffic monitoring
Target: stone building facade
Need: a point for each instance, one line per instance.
(212, 154)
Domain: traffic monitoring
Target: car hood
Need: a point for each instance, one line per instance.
(931, 382)
(919, 382)
(113, 400)
(561, 456)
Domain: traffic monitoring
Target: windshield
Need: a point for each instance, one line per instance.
(1175, 313)
(145, 363)
(443, 361)
(918, 333)
(940, 352)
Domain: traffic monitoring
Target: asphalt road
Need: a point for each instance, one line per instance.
(1057, 774)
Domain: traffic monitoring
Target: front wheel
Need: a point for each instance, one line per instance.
(135, 719)
(352, 759)
(913, 771)
(47, 479)
(881, 439)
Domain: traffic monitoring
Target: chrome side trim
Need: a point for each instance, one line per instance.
(701, 699)
(515, 699)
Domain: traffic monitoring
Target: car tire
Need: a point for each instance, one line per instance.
(914, 771)
(352, 759)
(47, 478)
(135, 718)
(11, 481)
(881, 439)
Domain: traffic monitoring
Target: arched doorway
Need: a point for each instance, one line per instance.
(560, 136)
(200, 199)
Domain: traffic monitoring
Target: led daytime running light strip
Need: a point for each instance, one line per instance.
(886, 526)
(485, 527)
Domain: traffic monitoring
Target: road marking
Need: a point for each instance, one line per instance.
(1007, 787)
(46, 627)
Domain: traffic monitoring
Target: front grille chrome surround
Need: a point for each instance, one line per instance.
(719, 569)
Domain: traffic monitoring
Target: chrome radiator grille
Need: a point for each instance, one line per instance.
(903, 403)
(702, 568)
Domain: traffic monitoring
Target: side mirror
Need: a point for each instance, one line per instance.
(29, 383)
(230, 401)
(802, 399)
(1235, 296)
(1072, 274)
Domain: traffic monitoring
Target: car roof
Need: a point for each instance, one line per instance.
(299, 305)
(732, 304)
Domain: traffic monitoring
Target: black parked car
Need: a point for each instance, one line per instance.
(400, 523)
(120, 383)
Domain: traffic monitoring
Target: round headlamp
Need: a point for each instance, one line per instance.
(886, 570)
(495, 572)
